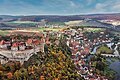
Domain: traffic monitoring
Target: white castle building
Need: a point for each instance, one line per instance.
(19, 51)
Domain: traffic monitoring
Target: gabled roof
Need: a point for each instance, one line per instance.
(15, 44)
(2, 42)
(36, 42)
(29, 41)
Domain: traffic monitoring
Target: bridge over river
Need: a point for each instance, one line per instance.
(109, 44)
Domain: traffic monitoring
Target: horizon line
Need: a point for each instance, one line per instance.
(59, 14)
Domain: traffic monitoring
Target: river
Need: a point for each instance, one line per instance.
(114, 65)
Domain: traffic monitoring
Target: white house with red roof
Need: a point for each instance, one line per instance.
(22, 46)
(29, 42)
(3, 44)
(14, 46)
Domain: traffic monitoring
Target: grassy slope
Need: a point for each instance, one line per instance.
(3, 32)
(104, 49)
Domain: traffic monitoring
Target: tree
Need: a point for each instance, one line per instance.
(24, 73)
(17, 75)
(1, 74)
(9, 75)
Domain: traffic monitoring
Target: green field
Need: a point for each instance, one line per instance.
(48, 29)
(4, 32)
(56, 23)
(104, 49)
(94, 29)
(29, 23)
(20, 22)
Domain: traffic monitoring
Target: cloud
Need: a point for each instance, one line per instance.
(116, 6)
(107, 6)
(100, 7)
(89, 2)
(58, 6)
(72, 4)
(19, 7)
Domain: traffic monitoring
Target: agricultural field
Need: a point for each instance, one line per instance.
(55, 23)
(94, 29)
(104, 49)
(4, 32)
(49, 29)
(20, 22)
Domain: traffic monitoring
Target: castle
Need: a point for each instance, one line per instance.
(15, 50)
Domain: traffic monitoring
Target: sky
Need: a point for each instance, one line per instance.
(58, 7)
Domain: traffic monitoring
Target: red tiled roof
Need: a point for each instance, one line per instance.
(42, 40)
(47, 39)
(15, 45)
(21, 43)
(86, 50)
(7, 42)
(47, 42)
(36, 42)
(29, 41)
(74, 52)
(2, 42)
(92, 79)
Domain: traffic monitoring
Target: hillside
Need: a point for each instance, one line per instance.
(89, 22)
(57, 18)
